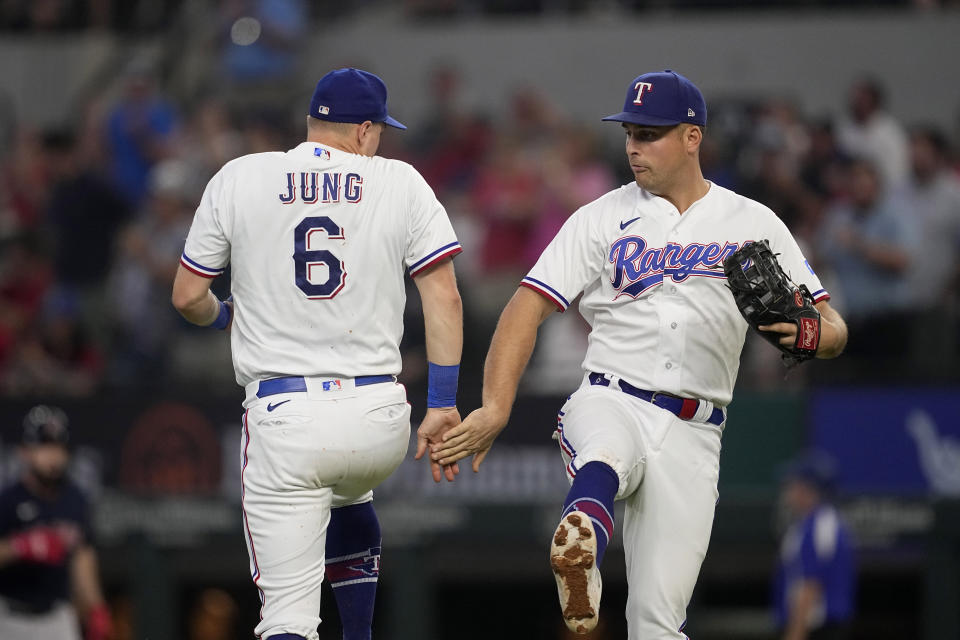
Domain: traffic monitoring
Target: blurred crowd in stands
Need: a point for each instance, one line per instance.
(145, 16)
(92, 218)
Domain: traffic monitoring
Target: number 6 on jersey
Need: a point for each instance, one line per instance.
(306, 260)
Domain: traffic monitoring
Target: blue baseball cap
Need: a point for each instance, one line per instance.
(351, 95)
(816, 468)
(662, 98)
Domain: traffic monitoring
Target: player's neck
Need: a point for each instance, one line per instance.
(335, 142)
(686, 191)
(41, 489)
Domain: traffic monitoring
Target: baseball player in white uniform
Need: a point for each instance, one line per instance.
(645, 424)
(318, 239)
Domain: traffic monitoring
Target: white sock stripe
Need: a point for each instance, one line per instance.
(597, 525)
(602, 529)
(349, 582)
(596, 502)
(353, 556)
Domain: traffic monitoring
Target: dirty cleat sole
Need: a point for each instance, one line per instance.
(573, 555)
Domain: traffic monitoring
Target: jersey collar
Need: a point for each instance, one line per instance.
(666, 206)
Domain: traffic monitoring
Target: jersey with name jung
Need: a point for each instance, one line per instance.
(654, 293)
(318, 241)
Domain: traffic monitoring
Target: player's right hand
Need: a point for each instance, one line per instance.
(474, 436)
(435, 423)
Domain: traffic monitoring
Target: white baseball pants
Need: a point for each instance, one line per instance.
(59, 623)
(668, 471)
(305, 453)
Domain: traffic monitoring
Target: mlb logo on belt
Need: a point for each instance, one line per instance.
(332, 385)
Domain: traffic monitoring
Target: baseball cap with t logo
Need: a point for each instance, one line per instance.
(662, 98)
(351, 95)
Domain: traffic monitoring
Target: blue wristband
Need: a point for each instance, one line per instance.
(223, 318)
(442, 385)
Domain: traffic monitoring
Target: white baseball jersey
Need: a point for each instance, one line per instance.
(318, 240)
(654, 292)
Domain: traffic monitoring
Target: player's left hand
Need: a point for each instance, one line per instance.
(436, 423)
(475, 435)
(788, 331)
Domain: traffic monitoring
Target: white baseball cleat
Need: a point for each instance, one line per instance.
(573, 556)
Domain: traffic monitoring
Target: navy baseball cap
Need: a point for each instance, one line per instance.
(45, 424)
(351, 95)
(662, 98)
(815, 468)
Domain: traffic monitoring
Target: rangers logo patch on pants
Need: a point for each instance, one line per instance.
(359, 567)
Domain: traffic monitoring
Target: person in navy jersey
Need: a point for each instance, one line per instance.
(815, 581)
(48, 567)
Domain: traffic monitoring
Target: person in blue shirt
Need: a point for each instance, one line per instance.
(814, 586)
(139, 131)
(870, 241)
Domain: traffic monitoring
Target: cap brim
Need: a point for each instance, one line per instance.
(394, 123)
(640, 118)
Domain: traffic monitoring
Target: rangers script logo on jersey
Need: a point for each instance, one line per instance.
(637, 267)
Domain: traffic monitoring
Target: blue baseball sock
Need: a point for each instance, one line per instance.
(353, 566)
(593, 490)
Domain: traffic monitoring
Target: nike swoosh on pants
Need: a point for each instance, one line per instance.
(271, 407)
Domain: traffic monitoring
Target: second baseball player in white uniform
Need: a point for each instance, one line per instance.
(319, 239)
(645, 424)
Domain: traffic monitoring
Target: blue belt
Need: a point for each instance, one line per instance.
(294, 384)
(683, 408)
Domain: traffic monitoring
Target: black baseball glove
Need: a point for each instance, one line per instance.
(765, 295)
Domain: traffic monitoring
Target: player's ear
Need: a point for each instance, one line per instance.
(366, 141)
(364, 130)
(692, 137)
